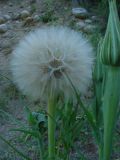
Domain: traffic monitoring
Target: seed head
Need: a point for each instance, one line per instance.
(42, 60)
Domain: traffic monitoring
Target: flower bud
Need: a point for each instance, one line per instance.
(110, 48)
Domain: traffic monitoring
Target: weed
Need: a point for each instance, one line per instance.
(48, 16)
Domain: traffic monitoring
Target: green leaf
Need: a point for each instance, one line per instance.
(31, 119)
(88, 114)
(110, 107)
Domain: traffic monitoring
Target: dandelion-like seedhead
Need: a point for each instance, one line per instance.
(42, 60)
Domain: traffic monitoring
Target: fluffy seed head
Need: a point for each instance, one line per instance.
(42, 60)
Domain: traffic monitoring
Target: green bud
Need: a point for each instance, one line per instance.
(110, 48)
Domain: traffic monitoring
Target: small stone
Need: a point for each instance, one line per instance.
(80, 25)
(28, 21)
(80, 13)
(7, 17)
(3, 28)
(2, 20)
(24, 14)
(36, 18)
(89, 28)
(88, 21)
(17, 22)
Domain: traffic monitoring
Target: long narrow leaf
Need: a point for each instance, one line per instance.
(88, 114)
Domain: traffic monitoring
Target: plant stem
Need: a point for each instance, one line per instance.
(100, 150)
(40, 149)
(51, 127)
(110, 108)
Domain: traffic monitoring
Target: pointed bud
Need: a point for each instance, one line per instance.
(110, 48)
(98, 70)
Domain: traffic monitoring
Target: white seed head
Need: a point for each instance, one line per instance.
(42, 60)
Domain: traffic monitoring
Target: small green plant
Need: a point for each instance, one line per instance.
(35, 129)
(110, 57)
(48, 16)
(107, 82)
(69, 129)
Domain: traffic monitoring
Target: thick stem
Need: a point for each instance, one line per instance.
(110, 107)
(51, 127)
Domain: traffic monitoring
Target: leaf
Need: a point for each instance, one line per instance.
(88, 114)
(39, 116)
(31, 119)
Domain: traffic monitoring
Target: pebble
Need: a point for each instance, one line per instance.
(36, 18)
(80, 25)
(80, 13)
(17, 22)
(3, 28)
(88, 21)
(24, 14)
(2, 20)
(7, 17)
(28, 21)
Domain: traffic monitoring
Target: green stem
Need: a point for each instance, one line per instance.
(100, 152)
(110, 108)
(51, 127)
(40, 149)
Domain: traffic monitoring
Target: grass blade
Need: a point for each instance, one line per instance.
(32, 133)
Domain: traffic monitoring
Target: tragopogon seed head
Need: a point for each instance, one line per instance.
(42, 60)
